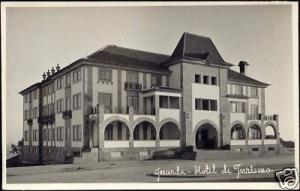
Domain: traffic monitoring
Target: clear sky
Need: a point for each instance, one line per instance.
(39, 38)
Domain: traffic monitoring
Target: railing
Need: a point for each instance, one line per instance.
(260, 117)
(237, 95)
(47, 119)
(133, 86)
(67, 114)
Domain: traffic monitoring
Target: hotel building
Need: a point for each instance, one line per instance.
(120, 103)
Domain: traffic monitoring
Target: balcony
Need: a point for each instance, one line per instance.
(67, 114)
(264, 117)
(133, 86)
(47, 119)
(243, 96)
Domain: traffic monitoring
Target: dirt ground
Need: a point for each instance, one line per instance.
(147, 171)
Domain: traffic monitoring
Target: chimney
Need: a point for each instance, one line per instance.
(44, 76)
(48, 74)
(57, 68)
(243, 65)
(52, 70)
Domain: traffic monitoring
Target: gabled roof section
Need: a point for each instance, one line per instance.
(129, 57)
(197, 47)
(237, 77)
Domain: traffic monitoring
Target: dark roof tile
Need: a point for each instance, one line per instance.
(241, 78)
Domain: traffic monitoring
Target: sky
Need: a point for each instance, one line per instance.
(39, 38)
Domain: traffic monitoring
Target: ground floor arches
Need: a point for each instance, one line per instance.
(116, 130)
(169, 130)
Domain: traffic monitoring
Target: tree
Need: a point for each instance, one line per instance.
(17, 149)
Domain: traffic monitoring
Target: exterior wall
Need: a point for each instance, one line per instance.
(174, 79)
(192, 91)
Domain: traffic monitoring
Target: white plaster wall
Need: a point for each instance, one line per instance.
(104, 87)
(237, 117)
(254, 142)
(270, 141)
(144, 143)
(174, 79)
(116, 144)
(169, 143)
(237, 142)
(106, 116)
(205, 91)
(152, 117)
(169, 113)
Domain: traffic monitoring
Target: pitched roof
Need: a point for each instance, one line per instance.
(234, 76)
(197, 47)
(130, 57)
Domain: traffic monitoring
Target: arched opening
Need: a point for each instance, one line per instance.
(270, 132)
(169, 131)
(206, 137)
(116, 130)
(144, 131)
(254, 132)
(237, 132)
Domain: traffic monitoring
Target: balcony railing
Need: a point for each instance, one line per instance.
(67, 114)
(260, 117)
(47, 119)
(133, 86)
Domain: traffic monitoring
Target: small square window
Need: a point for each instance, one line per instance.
(255, 149)
(214, 80)
(197, 78)
(271, 148)
(205, 80)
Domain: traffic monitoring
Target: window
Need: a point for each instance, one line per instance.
(271, 148)
(77, 133)
(108, 134)
(213, 105)
(34, 135)
(25, 114)
(59, 105)
(167, 81)
(254, 109)
(144, 153)
(132, 77)
(51, 108)
(77, 75)
(174, 102)
(77, 101)
(59, 83)
(163, 102)
(214, 80)
(53, 134)
(30, 96)
(59, 133)
(67, 133)
(205, 80)
(44, 134)
(197, 78)
(255, 149)
(48, 135)
(104, 74)
(105, 99)
(238, 90)
(132, 101)
(68, 80)
(206, 104)
(116, 154)
(254, 92)
(237, 107)
(26, 135)
(144, 132)
(155, 80)
(34, 112)
(34, 94)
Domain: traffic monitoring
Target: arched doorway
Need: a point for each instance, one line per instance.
(169, 131)
(270, 132)
(254, 132)
(238, 132)
(206, 137)
(116, 130)
(144, 131)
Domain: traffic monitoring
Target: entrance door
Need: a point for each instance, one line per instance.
(206, 137)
